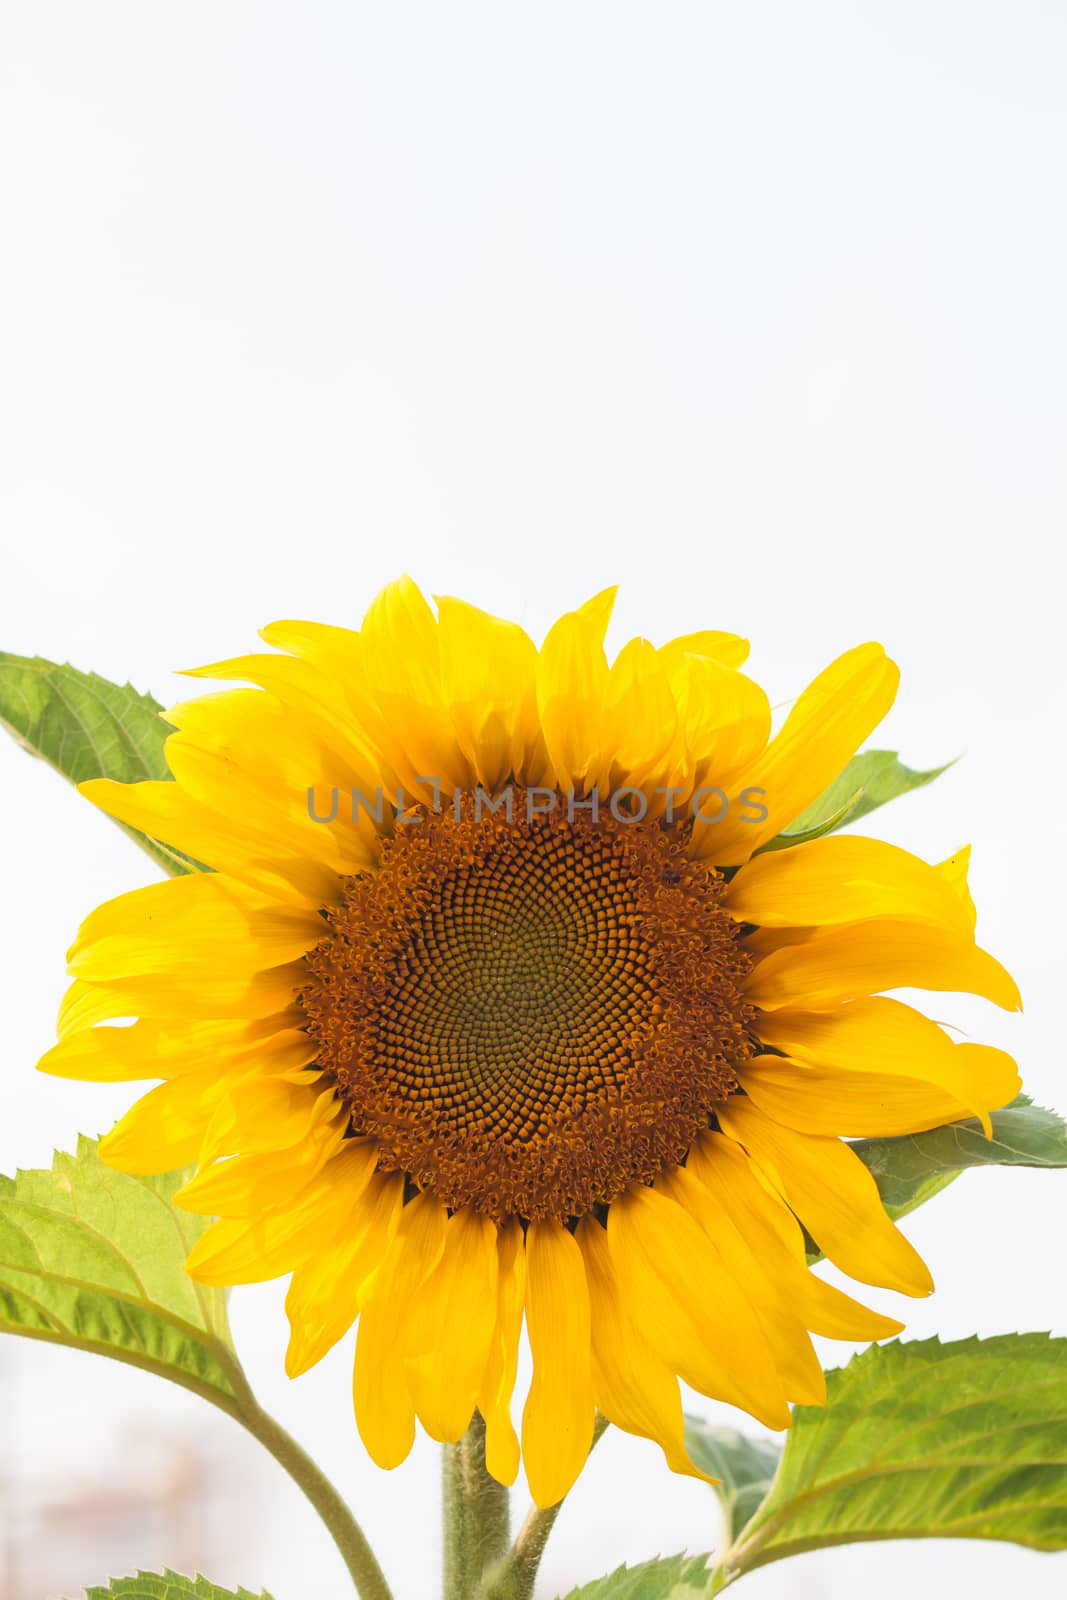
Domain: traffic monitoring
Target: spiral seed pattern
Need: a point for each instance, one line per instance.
(528, 1015)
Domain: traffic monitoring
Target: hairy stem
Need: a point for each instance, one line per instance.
(514, 1577)
(476, 1514)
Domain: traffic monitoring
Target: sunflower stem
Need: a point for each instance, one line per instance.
(514, 1577)
(346, 1532)
(476, 1513)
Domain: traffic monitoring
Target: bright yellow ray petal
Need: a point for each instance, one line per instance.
(489, 677)
(163, 811)
(823, 731)
(324, 733)
(794, 1355)
(886, 1037)
(639, 735)
(728, 648)
(843, 879)
(248, 1185)
(252, 1250)
(498, 1379)
(385, 1410)
(218, 996)
(337, 660)
(259, 1114)
(189, 925)
(632, 1387)
(164, 1128)
(451, 1326)
(832, 1192)
(775, 1238)
(725, 720)
(329, 1288)
(84, 1005)
(156, 1050)
(863, 1105)
(400, 653)
(572, 678)
(275, 814)
(858, 959)
(955, 871)
(684, 1304)
(557, 1420)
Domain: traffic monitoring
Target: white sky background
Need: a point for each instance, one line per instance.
(758, 310)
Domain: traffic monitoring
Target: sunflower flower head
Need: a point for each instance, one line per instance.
(495, 1012)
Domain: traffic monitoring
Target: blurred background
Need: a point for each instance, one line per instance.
(758, 310)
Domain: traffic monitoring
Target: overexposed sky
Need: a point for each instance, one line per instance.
(758, 310)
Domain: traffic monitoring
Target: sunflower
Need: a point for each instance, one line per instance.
(496, 1010)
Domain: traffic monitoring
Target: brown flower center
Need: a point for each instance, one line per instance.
(530, 1014)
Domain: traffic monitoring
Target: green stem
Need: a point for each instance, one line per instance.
(347, 1534)
(514, 1577)
(476, 1514)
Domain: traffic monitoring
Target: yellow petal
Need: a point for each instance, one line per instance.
(863, 958)
(794, 1355)
(251, 1250)
(863, 1105)
(165, 1128)
(823, 731)
(728, 648)
(886, 1038)
(489, 669)
(775, 1238)
(400, 652)
(323, 737)
(385, 1409)
(955, 871)
(452, 1322)
(277, 820)
(639, 737)
(158, 1050)
(557, 1421)
(833, 1194)
(329, 1288)
(498, 1379)
(191, 925)
(685, 1305)
(632, 1387)
(258, 1114)
(219, 995)
(725, 719)
(843, 879)
(84, 1005)
(572, 678)
(163, 811)
(247, 1185)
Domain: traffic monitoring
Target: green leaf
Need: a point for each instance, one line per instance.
(94, 1259)
(869, 781)
(924, 1441)
(674, 1578)
(86, 727)
(744, 1466)
(911, 1168)
(167, 1585)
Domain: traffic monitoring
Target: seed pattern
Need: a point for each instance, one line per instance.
(529, 1015)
